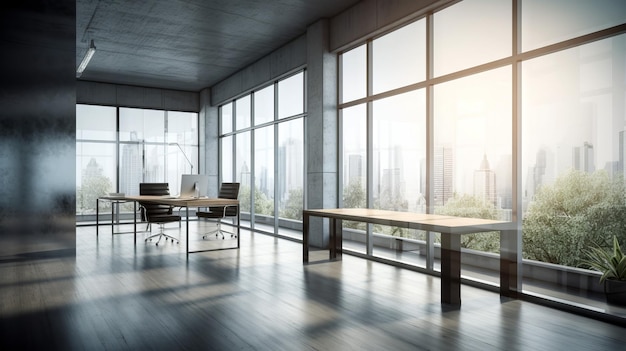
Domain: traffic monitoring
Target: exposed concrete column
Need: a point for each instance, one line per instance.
(321, 128)
(209, 141)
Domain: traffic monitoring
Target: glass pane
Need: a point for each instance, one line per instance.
(264, 105)
(354, 194)
(131, 168)
(291, 96)
(399, 141)
(243, 174)
(470, 33)
(548, 22)
(133, 171)
(95, 174)
(354, 74)
(96, 122)
(181, 159)
(264, 177)
(142, 125)
(472, 151)
(226, 118)
(243, 113)
(573, 151)
(182, 128)
(399, 169)
(227, 159)
(400, 57)
(290, 169)
(155, 164)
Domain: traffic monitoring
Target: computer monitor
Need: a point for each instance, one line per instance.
(188, 182)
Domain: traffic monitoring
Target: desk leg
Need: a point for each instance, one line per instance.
(97, 215)
(508, 264)
(305, 238)
(187, 225)
(450, 269)
(238, 226)
(135, 220)
(112, 218)
(336, 238)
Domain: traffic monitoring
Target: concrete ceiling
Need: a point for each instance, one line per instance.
(188, 44)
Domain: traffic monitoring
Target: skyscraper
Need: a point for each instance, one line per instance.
(485, 182)
(443, 169)
(582, 158)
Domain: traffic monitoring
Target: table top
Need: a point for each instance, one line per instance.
(183, 202)
(422, 221)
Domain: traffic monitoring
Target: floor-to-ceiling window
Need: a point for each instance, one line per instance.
(262, 147)
(509, 110)
(118, 148)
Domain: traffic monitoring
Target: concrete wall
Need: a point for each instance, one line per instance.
(288, 58)
(37, 129)
(139, 97)
(372, 17)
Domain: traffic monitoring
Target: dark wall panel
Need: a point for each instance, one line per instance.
(37, 128)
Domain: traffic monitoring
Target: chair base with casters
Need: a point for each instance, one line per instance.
(157, 213)
(161, 234)
(217, 214)
(227, 191)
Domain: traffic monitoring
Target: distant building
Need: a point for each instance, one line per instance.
(443, 177)
(485, 182)
(582, 158)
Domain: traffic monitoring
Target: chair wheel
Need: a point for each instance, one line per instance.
(157, 244)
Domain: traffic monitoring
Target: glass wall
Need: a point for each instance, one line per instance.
(118, 148)
(522, 124)
(265, 152)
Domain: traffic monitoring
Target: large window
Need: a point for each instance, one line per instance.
(118, 148)
(266, 156)
(531, 133)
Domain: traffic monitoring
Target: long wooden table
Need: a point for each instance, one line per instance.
(186, 203)
(451, 229)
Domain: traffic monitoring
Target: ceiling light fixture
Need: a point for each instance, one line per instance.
(86, 59)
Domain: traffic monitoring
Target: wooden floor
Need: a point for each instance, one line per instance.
(117, 296)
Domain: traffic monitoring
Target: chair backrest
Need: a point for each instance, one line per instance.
(154, 189)
(229, 191)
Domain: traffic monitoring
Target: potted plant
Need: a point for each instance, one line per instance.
(612, 265)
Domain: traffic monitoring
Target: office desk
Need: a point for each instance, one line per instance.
(451, 229)
(114, 200)
(184, 202)
(190, 202)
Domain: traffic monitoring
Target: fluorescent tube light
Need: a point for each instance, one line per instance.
(86, 59)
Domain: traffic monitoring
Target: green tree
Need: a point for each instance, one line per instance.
(473, 207)
(578, 211)
(262, 204)
(293, 206)
(93, 187)
(354, 197)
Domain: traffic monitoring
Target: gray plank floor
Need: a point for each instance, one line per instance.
(115, 295)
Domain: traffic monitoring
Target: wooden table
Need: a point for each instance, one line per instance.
(186, 203)
(451, 229)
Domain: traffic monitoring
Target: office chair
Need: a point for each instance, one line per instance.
(217, 213)
(157, 213)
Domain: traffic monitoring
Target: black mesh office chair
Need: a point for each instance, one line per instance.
(157, 213)
(217, 213)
